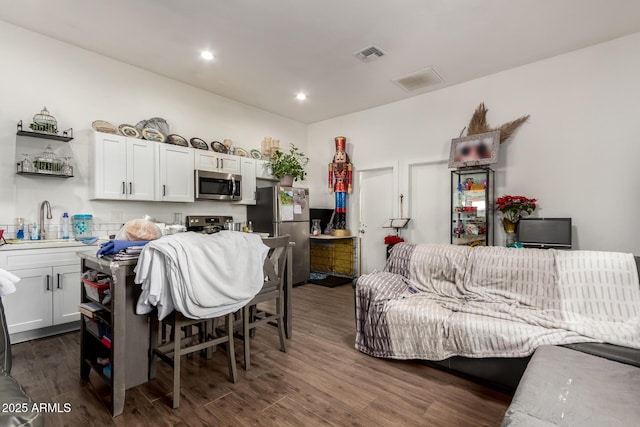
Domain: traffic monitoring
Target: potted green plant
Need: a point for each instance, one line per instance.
(289, 167)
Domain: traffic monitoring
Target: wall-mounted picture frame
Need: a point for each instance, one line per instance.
(474, 150)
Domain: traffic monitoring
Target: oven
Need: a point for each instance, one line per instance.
(206, 224)
(217, 186)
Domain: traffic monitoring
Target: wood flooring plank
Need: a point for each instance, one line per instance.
(321, 380)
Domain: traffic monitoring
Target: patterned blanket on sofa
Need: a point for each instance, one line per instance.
(437, 301)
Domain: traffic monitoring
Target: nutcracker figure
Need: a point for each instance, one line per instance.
(340, 179)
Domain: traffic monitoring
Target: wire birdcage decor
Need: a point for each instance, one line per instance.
(44, 122)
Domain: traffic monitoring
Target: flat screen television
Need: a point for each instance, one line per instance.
(545, 233)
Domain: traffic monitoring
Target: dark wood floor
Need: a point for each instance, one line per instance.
(321, 380)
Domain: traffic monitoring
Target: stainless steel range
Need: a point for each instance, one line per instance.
(206, 224)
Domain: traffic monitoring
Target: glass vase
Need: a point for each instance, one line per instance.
(511, 231)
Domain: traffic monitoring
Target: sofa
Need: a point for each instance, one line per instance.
(564, 387)
(483, 311)
(16, 407)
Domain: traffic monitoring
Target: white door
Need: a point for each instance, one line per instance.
(230, 164)
(176, 174)
(141, 169)
(30, 306)
(206, 161)
(429, 199)
(376, 199)
(248, 186)
(66, 294)
(110, 166)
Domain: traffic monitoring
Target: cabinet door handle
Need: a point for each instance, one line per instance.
(217, 163)
(59, 282)
(124, 191)
(164, 190)
(222, 163)
(130, 187)
(48, 284)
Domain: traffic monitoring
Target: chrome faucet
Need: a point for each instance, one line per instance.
(43, 233)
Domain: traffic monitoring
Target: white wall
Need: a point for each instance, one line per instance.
(578, 154)
(79, 87)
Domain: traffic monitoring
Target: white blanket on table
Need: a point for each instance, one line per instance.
(200, 275)
(7, 282)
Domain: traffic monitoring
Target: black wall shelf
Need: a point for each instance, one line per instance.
(67, 135)
(53, 175)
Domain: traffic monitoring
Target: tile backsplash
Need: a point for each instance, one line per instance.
(55, 230)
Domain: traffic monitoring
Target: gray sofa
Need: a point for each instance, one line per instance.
(570, 388)
(16, 405)
(391, 322)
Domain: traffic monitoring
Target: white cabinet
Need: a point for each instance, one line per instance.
(123, 168)
(31, 305)
(216, 162)
(66, 294)
(263, 169)
(248, 183)
(176, 177)
(48, 292)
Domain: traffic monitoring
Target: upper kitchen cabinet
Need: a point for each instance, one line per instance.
(248, 183)
(176, 183)
(124, 168)
(263, 170)
(216, 162)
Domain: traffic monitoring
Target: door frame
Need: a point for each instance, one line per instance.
(356, 206)
(394, 166)
(409, 165)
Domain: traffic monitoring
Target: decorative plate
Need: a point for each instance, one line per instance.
(128, 130)
(177, 140)
(199, 144)
(152, 135)
(241, 152)
(218, 147)
(256, 154)
(105, 127)
(157, 123)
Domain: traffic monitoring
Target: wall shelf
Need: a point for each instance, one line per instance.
(53, 175)
(67, 135)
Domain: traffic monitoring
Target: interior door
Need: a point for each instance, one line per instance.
(30, 306)
(430, 198)
(376, 202)
(66, 294)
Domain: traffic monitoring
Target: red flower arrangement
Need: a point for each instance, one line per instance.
(515, 207)
(392, 240)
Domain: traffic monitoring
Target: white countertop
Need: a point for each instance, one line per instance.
(42, 244)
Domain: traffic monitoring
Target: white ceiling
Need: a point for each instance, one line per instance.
(268, 50)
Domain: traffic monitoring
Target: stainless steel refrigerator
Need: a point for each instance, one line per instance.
(285, 210)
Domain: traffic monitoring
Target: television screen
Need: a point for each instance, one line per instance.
(545, 233)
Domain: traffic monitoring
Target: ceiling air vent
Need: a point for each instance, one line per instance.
(368, 54)
(418, 79)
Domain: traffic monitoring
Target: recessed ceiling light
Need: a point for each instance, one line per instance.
(207, 55)
(301, 96)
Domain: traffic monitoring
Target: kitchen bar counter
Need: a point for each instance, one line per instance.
(129, 331)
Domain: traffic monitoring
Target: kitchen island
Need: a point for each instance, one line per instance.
(128, 349)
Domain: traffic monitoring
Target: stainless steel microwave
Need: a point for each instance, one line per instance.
(217, 186)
